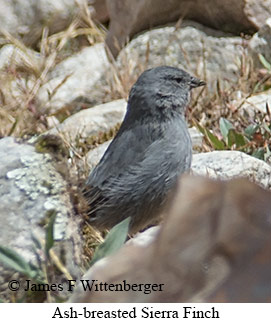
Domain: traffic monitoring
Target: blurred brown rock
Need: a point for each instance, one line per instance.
(214, 245)
(101, 12)
(128, 17)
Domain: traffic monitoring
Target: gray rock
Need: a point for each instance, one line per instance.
(28, 18)
(13, 58)
(10, 54)
(92, 121)
(257, 103)
(194, 48)
(80, 72)
(128, 17)
(196, 138)
(232, 164)
(93, 156)
(30, 187)
(260, 43)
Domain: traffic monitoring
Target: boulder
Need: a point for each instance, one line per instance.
(128, 17)
(257, 103)
(212, 56)
(231, 164)
(27, 19)
(30, 190)
(214, 245)
(91, 122)
(73, 78)
(260, 43)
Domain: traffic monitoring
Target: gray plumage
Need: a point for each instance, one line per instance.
(151, 149)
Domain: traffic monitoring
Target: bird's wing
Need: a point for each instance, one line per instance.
(160, 164)
(135, 159)
(127, 149)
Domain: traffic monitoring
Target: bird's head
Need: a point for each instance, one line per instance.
(163, 88)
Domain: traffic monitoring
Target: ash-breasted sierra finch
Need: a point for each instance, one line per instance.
(151, 149)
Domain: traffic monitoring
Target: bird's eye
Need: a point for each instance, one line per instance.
(179, 79)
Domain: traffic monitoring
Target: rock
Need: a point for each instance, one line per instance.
(26, 19)
(100, 10)
(257, 12)
(196, 137)
(80, 72)
(232, 164)
(197, 49)
(92, 121)
(94, 155)
(260, 43)
(10, 54)
(215, 242)
(257, 103)
(13, 62)
(31, 188)
(145, 238)
(128, 17)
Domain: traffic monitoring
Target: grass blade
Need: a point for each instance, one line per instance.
(13, 260)
(50, 233)
(214, 141)
(264, 62)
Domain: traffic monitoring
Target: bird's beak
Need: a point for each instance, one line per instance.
(196, 83)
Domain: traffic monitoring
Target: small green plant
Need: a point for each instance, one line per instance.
(253, 140)
(44, 271)
(15, 261)
(113, 241)
(265, 62)
(49, 240)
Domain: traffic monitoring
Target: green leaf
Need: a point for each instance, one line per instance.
(225, 127)
(239, 140)
(251, 130)
(259, 153)
(15, 261)
(217, 144)
(113, 241)
(214, 141)
(236, 138)
(50, 233)
(266, 127)
(264, 62)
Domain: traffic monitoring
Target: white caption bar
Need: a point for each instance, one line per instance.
(196, 312)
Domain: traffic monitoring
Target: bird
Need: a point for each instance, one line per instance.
(149, 152)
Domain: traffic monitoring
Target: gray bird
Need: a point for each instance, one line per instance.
(151, 149)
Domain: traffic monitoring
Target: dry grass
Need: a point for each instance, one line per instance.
(207, 109)
(26, 71)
